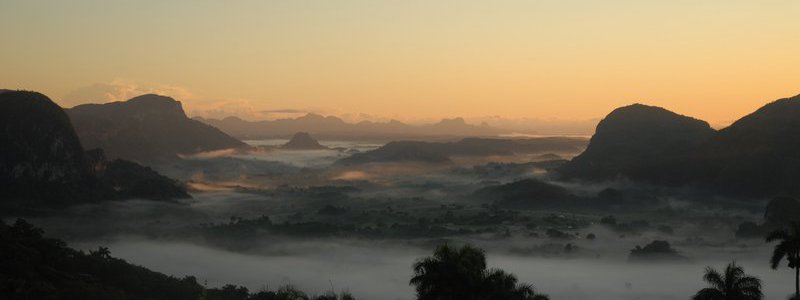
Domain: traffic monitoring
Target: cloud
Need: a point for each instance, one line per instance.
(285, 111)
(193, 104)
(222, 108)
(120, 90)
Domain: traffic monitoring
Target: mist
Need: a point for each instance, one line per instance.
(381, 270)
(216, 236)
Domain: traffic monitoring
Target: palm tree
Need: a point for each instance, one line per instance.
(789, 247)
(733, 284)
(449, 274)
(461, 274)
(500, 285)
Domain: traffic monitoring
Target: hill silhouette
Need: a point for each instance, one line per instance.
(529, 193)
(39, 267)
(441, 152)
(42, 160)
(303, 141)
(402, 151)
(634, 139)
(758, 155)
(39, 143)
(146, 128)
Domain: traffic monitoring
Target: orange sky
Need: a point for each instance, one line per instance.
(411, 60)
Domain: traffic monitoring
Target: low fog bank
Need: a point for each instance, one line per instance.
(269, 217)
(381, 271)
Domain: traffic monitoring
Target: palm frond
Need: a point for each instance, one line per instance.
(714, 279)
(709, 294)
(780, 251)
(780, 234)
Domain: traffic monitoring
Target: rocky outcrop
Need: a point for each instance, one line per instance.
(758, 155)
(631, 141)
(43, 162)
(303, 141)
(146, 128)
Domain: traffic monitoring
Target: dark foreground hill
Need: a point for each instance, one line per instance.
(633, 140)
(38, 141)
(758, 155)
(145, 128)
(36, 267)
(42, 160)
(432, 152)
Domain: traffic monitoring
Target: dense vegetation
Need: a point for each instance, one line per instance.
(35, 267)
(460, 273)
(731, 284)
(133, 180)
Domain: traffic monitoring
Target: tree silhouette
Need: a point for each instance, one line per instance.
(733, 284)
(461, 274)
(789, 247)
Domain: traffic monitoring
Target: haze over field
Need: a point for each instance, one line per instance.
(399, 150)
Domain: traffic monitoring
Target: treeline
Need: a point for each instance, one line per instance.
(35, 267)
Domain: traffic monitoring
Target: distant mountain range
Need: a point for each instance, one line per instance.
(441, 152)
(42, 160)
(331, 127)
(145, 128)
(758, 155)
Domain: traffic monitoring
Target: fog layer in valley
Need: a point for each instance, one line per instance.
(382, 271)
(387, 215)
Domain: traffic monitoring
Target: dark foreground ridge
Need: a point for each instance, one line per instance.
(42, 161)
(35, 267)
(758, 155)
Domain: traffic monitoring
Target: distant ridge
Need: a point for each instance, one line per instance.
(146, 128)
(758, 155)
(434, 152)
(330, 127)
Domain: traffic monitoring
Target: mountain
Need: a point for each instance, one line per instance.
(146, 128)
(528, 193)
(441, 152)
(330, 127)
(760, 152)
(42, 160)
(303, 141)
(38, 141)
(632, 140)
(758, 155)
(398, 152)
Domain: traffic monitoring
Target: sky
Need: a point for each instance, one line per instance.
(409, 60)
